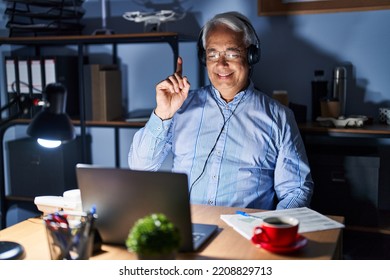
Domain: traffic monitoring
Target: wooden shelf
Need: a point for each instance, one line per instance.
(369, 130)
(118, 123)
(90, 39)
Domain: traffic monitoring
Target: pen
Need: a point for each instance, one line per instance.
(248, 215)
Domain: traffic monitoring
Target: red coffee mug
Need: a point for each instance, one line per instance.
(277, 231)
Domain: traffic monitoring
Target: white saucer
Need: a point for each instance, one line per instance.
(300, 242)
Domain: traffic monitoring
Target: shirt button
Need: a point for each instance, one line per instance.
(210, 202)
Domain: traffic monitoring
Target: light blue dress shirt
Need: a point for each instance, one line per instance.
(245, 153)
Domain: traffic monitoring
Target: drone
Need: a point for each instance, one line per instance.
(155, 18)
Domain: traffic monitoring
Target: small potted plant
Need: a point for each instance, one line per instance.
(154, 237)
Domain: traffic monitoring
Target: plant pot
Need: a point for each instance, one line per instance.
(157, 256)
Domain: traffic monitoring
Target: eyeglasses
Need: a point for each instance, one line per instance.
(230, 55)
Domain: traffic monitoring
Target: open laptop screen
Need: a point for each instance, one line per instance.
(122, 196)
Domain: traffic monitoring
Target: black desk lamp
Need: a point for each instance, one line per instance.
(52, 126)
(103, 30)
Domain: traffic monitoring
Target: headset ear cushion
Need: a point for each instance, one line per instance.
(201, 50)
(201, 55)
(253, 54)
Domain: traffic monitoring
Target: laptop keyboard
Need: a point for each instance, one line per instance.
(197, 235)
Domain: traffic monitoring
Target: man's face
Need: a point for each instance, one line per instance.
(228, 74)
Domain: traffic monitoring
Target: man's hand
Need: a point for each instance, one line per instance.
(171, 93)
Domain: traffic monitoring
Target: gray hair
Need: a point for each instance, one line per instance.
(236, 22)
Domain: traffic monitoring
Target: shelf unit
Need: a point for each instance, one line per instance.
(80, 41)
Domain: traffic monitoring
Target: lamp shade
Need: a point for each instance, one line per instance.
(52, 123)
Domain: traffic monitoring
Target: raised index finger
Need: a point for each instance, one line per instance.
(179, 66)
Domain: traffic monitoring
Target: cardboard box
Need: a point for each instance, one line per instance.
(103, 92)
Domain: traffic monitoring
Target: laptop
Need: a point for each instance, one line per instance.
(122, 196)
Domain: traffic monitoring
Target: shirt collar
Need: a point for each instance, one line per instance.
(242, 94)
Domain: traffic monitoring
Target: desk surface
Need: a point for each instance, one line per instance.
(226, 244)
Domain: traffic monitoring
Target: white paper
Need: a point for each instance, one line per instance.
(10, 73)
(309, 220)
(50, 71)
(23, 76)
(36, 76)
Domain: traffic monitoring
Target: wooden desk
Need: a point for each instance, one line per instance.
(226, 244)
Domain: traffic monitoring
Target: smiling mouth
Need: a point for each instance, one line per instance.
(224, 75)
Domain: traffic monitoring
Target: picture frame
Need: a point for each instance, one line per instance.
(285, 7)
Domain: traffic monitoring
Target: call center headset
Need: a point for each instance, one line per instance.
(253, 51)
